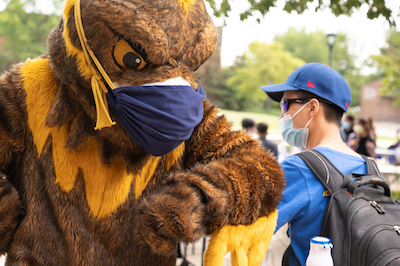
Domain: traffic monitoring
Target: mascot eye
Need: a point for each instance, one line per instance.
(128, 55)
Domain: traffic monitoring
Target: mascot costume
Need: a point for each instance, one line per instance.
(111, 155)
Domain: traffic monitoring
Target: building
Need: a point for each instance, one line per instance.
(380, 108)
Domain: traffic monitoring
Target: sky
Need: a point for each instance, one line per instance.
(365, 36)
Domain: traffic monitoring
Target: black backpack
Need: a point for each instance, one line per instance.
(361, 219)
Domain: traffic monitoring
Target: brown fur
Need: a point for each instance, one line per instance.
(223, 177)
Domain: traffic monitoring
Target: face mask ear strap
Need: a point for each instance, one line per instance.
(298, 111)
(309, 121)
(98, 86)
(305, 139)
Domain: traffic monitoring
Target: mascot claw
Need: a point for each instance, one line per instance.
(247, 244)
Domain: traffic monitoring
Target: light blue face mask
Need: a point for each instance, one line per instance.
(294, 137)
(345, 125)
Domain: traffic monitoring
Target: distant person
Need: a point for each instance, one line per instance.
(371, 128)
(342, 132)
(262, 131)
(347, 124)
(249, 126)
(359, 140)
(396, 147)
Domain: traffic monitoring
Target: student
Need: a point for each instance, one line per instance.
(396, 147)
(249, 126)
(371, 128)
(347, 124)
(262, 131)
(360, 140)
(313, 100)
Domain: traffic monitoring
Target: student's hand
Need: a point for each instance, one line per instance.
(248, 244)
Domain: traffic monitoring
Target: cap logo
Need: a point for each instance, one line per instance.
(311, 84)
(347, 105)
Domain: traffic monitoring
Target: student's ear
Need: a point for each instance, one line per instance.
(314, 107)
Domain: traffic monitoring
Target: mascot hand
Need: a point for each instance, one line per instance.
(10, 212)
(165, 220)
(247, 243)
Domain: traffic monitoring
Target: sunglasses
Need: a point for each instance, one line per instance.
(285, 104)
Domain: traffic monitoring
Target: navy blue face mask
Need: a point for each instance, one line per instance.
(158, 117)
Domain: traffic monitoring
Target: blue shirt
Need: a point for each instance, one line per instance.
(304, 199)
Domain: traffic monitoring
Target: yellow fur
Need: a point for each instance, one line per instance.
(173, 156)
(71, 49)
(106, 187)
(247, 243)
(186, 4)
(147, 172)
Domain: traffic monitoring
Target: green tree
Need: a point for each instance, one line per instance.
(389, 63)
(261, 64)
(312, 47)
(338, 7)
(24, 32)
(213, 79)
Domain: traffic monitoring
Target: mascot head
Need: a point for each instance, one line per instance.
(139, 58)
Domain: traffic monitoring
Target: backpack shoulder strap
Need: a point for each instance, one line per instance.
(330, 177)
(372, 168)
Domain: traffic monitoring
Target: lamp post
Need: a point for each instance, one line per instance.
(330, 38)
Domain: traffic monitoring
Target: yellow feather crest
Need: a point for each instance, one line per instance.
(71, 49)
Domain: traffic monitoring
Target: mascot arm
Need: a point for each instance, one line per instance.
(11, 124)
(10, 212)
(231, 180)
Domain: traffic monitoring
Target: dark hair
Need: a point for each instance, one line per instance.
(247, 122)
(370, 123)
(262, 128)
(332, 112)
(349, 117)
(362, 122)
